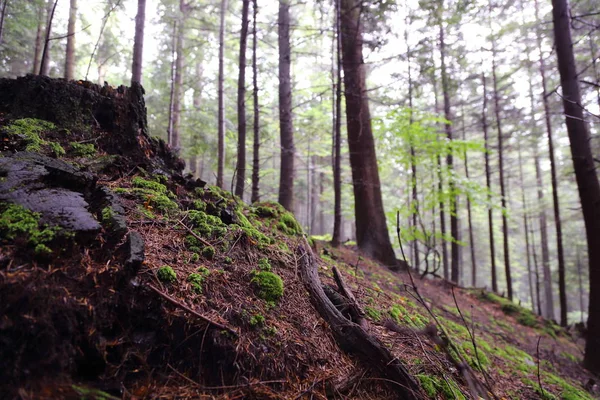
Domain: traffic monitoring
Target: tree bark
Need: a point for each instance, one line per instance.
(2, 17)
(585, 172)
(502, 180)
(138, 43)
(525, 223)
(469, 214)
(371, 228)
(537, 273)
(172, 91)
(454, 247)
(37, 56)
(286, 176)
(337, 133)
(557, 222)
(70, 55)
(178, 86)
(221, 99)
(488, 180)
(256, 144)
(241, 105)
(45, 63)
(548, 301)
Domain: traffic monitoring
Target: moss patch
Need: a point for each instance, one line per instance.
(268, 285)
(82, 149)
(197, 279)
(29, 130)
(166, 274)
(19, 222)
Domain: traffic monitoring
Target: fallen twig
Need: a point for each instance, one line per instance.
(186, 308)
(194, 234)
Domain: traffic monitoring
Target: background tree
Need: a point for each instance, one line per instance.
(138, 43)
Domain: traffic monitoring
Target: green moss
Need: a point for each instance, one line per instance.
(107, 214)
(29, 130)
(475, 359)
(91, 394)
(492, 298)
(227, 260)
(270, 330)
(145, 212)
(150, 185)
(195, 257)
(166, 274)
(199, 205)
(268, 209)
(510, 309)
(269, 286)
(57, 149)
(264, 264)
(527, 319)
(196, 279)
(456, 329)
(288, 224)
(433, 386)
(569, 356)
(373, 313)
(569, 392)
(208, 252)
(83, 149)
(19, 222)
(257, 320)
(429, 384)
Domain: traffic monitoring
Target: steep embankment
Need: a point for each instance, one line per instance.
(119, 277)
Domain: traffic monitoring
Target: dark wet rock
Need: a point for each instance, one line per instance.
(132, 254)
(51, 187)
(115, 220)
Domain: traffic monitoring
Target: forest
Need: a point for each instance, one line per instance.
(457, 139)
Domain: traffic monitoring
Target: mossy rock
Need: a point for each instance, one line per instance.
(29, 130)
(83, 149)
(268, 285)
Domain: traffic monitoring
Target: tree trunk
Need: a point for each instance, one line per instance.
(337, 133)
(37, 56)
(454, 247)
(70, 55)
(585, 172)
(241, 105)
(559, 242)
(414, 209)
(172, 91)
(178, 86)
(537, 273)
(549, 301)
(45, 63)
(371, 228)
(469, 214)
(221, 99)
(488, 181)
(256, 144)
(580, 281)
(2, 17)
(286, 176)
(502, 180)
(138, 43)
(525, 223)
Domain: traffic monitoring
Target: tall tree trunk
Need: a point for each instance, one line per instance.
(488, 180)
(440, 194)
(337, 133)
(585, 171)
(178, 87)
(502, 180)
(537, 273)
(454, 247)
(256, 143)
(241, 105)
(414, 209)
(469, 215)
(45, 63)
(580, 281)
(37, 55)
(525, 222)
(2, 17)
(559, 241)
(221, 99)
(286, 176)
(594, 67)
(548, 301)
(172, 91)
(371, 228)
(138, 43)
(70, 55)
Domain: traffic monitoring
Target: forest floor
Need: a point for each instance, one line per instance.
(176, 289)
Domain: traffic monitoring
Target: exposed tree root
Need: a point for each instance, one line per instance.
(352, 337)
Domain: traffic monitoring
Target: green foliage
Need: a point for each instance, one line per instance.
(150, 185)
(257, 320)
(197, 279)
(107, 214)
(288, 224)
(264, 264)
(29, 130)
(83, 149)
(269, 286)
(166, 274)
(373, 313)
(208, 252)
(19, 222)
